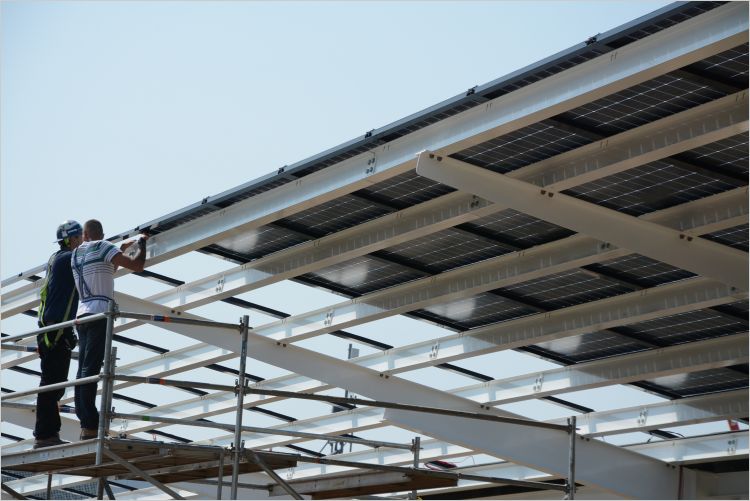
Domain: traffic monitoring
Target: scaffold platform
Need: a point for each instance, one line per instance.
(164, 462)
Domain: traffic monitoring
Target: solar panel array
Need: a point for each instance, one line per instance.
(699, 173)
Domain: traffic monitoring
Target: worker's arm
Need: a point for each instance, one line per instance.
(136, 262)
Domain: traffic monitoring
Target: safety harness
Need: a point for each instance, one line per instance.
(43, 296)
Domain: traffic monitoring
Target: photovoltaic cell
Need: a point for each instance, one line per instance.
(261, 241)
(445, 250)
(333, 216)
(692, 9)
(702, 382)
(406, 189)
(687, 327)
(654, 186)
(519, 229)
(565, 289)
(640, 270)
(641, 104)
(525, 146)
(728, 155)
(361, 275)
(592, 346)
(734, 237)
(729, 65)
(476, 311)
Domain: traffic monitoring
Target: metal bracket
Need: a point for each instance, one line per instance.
(732, 446)
(538, 383)
(642, 417)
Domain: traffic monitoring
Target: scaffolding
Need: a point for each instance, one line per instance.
(161, 463)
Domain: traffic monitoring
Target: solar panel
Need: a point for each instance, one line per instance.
(361, 275)
(332, 216)
(640, 270)
(445, 250)
(406, 189)
(518, 228)
(565, 289)
(731, 65)
(698, 383)
(734, 237)
(641, 104)
(523, 147)
(259, 242)
(592, 346)
(687, 327)
(728, 156)
(654, 186)
(476, 311)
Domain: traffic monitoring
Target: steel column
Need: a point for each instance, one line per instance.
(571, 481)
(417, 444)
(106, 381)
(244, 327)
(220, 478)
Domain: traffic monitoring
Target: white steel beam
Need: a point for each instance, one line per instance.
(685, 358)
(678, 297)
(510, 441)
(687, 130)
(679, 359)
(708, 214)
(695, 254)
(436, 449)
(701, 448)
(680, 132)
(626, 309)
(716, 448)
(698, 449)
(687, 42)
(673, 134)
(685, 411)
(502, 271)
(667, 50)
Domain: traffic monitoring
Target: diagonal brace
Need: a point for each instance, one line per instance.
(141, 473)
(701, 256)
(284, 485)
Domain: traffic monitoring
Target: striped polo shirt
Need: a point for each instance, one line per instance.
(93, 272)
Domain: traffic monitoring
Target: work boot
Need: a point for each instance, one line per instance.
(40, 443)
(89, 433)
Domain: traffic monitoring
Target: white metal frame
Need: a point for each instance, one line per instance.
(674, 239)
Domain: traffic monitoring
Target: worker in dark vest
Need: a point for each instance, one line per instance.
(59, 301)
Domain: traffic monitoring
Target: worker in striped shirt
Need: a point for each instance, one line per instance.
(94, 263)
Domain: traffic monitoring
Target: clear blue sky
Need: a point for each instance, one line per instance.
(127, 111)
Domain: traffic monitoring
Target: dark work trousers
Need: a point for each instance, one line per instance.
(91, 337)
(55, 362)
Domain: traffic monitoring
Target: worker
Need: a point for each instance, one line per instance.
(59, 300)
(94, 263)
